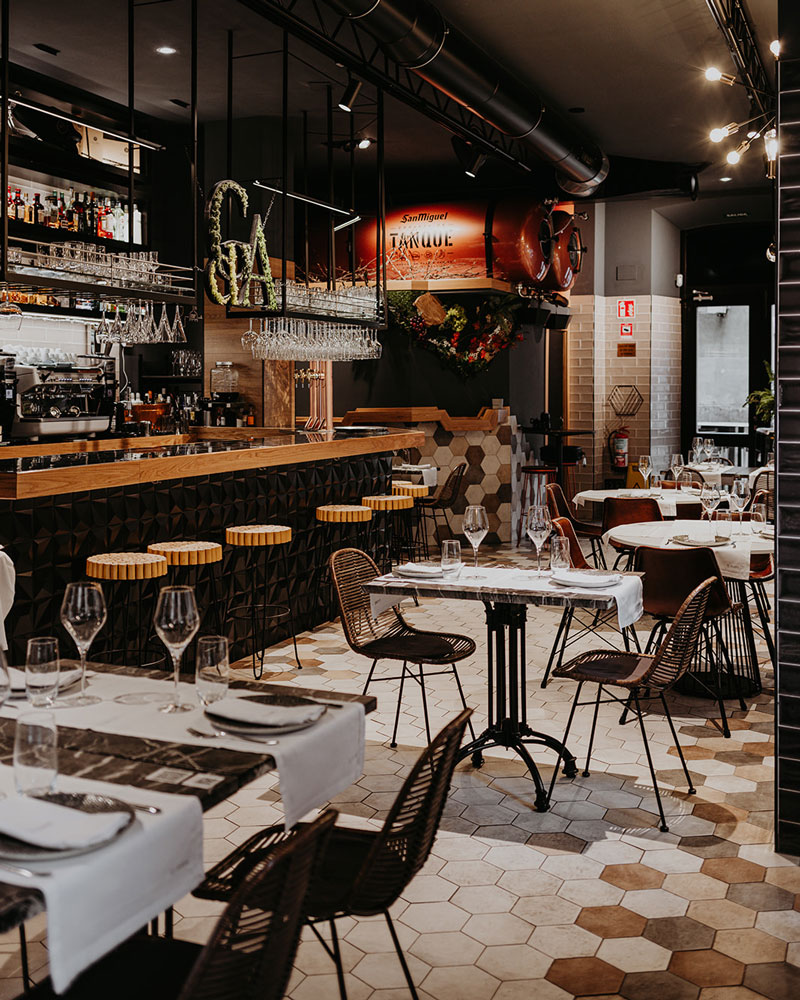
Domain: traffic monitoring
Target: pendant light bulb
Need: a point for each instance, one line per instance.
(775, 48)
(719, 134)
(771, 144)
(733, 156)
(714, 75)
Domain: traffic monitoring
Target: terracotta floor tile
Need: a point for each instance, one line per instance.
(778, 981)
(633, 876)
(736, 870)
(657, 986)
(706, 968)
(611, 921)
(750, 946)
(679, 933)
(589, 976)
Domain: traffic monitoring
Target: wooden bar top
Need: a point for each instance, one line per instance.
(51, 469)
(486, 419)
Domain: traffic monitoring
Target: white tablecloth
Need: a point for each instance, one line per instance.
(668, 500)
(428, 473)
(711, 472)
(7, 579)
(733, 560)
(313, 765)
(97, 900)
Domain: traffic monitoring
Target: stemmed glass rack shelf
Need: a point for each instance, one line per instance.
(91, 272)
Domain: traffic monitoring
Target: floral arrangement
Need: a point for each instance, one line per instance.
(472, 334)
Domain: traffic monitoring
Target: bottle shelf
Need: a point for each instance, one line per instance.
(170, 378)
(47, 234)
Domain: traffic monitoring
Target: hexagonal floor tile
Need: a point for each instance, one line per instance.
(611, 921)
(706, 968)
(585, 975)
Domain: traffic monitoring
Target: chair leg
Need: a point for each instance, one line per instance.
(601, 553)
(677, 744)
(393, 744)
(594, 726)
(635, 695)
(763, 615)
(27, 982)
(397, 947)
(564, 740)
(463, 699)
(713, 659)
(337, 958)
(626, 708)
(565, 615)
(369, 677)
(424, 694)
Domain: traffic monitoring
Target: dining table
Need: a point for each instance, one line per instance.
(669, 501)
(506, 593)
(154, 776)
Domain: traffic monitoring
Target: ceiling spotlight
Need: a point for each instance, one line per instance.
(775, 48)
(717, 76)
(718, 134)
(166, 50)
(726, 180)
(351, 92)
(364, 142)
(470, 158)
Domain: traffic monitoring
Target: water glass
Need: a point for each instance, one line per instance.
(212, 672)
(559, 553)
(759, 514)
(35, 753)
(723, 526)
(42, 668)
(451, 555)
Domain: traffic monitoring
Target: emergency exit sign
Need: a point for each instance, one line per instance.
(626, 308)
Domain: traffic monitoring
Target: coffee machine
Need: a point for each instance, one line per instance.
(64, 399)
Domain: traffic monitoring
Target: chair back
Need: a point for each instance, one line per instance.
(671, 574)
(629, 510)
(403, 845)
(452, 487)
(764, 492)
(564, 527)
(676, 652)
(350, 569)
(250, 953)
(557, 502)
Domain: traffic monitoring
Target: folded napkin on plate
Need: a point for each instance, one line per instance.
(701, 531)
(418, 569)
(57, 828)
(577, 579)
(247, 710)
(65, 678)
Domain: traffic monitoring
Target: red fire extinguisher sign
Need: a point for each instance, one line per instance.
(626, 308)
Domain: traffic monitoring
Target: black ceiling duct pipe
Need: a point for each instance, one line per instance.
(414, 34)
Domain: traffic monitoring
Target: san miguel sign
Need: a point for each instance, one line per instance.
(233, 265)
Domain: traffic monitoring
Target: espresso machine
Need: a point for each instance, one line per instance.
(64, 399)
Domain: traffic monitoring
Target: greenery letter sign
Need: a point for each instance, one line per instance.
(234, 263)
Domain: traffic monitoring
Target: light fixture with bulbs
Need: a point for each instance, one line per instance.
(350, 95)
(771, 151)
(715, 75)
(734, 155)
(718, 134)
(364, 142)
(775, 48)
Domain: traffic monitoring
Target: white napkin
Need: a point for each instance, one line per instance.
(7, 579)
(574, 578)
(702, 531)
(419, 570)
(247, 710)
(56, 827)
(65, 678)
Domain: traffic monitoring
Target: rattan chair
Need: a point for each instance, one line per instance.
(390, 636)
(439, 505)
(637, 672)
(250, 953)
(763, 491)
(558, 506)
(628, 510)
(363, 872)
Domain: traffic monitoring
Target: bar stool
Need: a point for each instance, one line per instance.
(570, 474)
(389, 507)
(335, 519)
(191, 558)
(256, 539)
(402, 487)
(535, 479)
(134, 569)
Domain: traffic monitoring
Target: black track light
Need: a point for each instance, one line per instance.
(350, 95)
(470, 158)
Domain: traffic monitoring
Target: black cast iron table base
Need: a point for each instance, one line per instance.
(507, 699)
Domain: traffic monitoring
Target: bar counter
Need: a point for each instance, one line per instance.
(61, 503)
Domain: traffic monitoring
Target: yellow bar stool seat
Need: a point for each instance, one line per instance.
(258, 535)
(389, 502)
(195, 562)
(187, 553)
(401, 487)
(126, 566)
(343, 513)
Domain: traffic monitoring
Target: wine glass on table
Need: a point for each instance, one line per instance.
(740, 494)
(177, 621)
(697, 445)
(645, 468)
(538, 527)
(83, 614)
(709, 498)
(708, 447)
(476, 527)
(676, 465)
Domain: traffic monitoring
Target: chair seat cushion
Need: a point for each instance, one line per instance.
(601, 666)
(142, 967)
(420, 647)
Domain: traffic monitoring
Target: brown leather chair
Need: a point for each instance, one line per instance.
(604, 620)
(671, 574)
(558, 506)
(628, 510)
(639, 674)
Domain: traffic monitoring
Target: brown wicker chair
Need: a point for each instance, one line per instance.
(628, 510)
(363, 872)
(764, 492)
(572, 616)
(390, 636)
(250, 953)
(559, 507)
(440, 504)
(635, 672)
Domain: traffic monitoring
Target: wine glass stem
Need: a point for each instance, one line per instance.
(475, 550)
(176, 661)
(82, 652)
(538, 562)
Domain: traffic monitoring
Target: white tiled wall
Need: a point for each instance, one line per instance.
(53, 334)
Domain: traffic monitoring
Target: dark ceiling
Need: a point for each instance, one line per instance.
(635, 66)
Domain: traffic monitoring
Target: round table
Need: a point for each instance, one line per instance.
(668, 500)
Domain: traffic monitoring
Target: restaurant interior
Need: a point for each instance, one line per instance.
(400, 499)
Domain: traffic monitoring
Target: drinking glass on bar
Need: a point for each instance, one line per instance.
(476, 527)
(538, 527)
(451, 555)
(83, 614)
(212, 672)
(42, 667)
(35, 753)
(177, 621)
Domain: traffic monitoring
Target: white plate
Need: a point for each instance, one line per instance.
(601, 584)
(685, 540)
(421, 572)
(252, 730)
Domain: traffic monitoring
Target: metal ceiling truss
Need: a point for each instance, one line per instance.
(734, 23)
(343, 41)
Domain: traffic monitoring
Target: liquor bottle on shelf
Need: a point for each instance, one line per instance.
(38, 210)
(52, 209)
(19, 206)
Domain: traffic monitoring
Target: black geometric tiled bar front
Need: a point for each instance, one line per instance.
(49, 538)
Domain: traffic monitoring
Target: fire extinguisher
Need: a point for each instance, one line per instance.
(618, 448)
